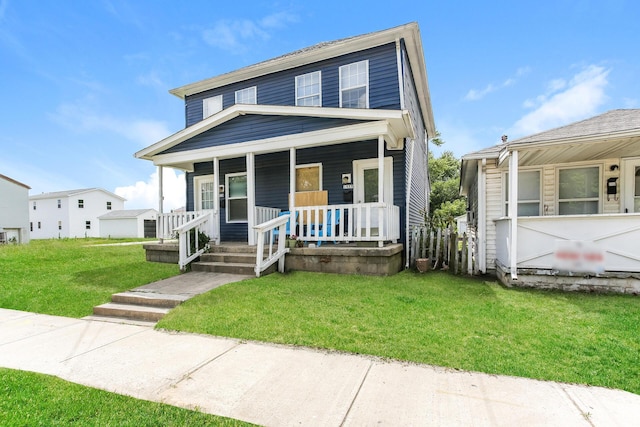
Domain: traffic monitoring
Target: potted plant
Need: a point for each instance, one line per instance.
(292, 241)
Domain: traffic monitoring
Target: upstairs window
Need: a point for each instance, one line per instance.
(247, 96)
(59, 203)
(34, 206)
(212, 105)
(108, 206)
(354, 85)
(236, 197)
(579, 190)
(309, 90)
(59, 225)
(80, 203)
(528, 193)
(87, 225)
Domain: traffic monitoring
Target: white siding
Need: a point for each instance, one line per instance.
(494, 209)
(14, 210)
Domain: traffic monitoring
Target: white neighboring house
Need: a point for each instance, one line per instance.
(129, 223)
(72, 213)
(14, 211)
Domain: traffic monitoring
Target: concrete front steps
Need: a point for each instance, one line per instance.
(143, 308)
(229, 258)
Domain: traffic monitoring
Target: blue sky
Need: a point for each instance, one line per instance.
(85, 83)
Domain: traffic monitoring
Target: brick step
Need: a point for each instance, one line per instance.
(130, 311)
(148, 299)
(229, 257)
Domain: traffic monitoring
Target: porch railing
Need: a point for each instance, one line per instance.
(378, 222)
(266, 235)
(168, 223)
(191, 238)
(616, 235)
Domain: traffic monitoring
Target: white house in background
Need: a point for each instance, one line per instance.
(576, 223)
(14, 211)
(129, 223)
(72, 213)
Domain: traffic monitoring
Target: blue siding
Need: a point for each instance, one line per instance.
(254, 127)
(272, 177)
(279, 88)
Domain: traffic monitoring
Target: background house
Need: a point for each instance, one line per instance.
(14, 211)
(128, 223)
(335, 133)
(578, 205)
(72, 213)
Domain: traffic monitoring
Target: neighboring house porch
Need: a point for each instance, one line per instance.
(577, 220)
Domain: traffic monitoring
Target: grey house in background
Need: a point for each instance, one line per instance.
(129, 223)
(338, 130)
(14, 211)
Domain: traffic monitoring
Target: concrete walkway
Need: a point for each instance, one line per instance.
(282, 386)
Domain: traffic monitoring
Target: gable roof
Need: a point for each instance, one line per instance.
(410, 33)
(13, 181)
(69, 193)
(125, 213)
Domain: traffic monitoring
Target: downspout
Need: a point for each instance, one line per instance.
(482, 216)
(406, 205)
(400, 68)
(381, 212)
(513, 214)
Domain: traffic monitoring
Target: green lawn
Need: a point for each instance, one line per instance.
(30, 399)
(68, 277)
(434, 318)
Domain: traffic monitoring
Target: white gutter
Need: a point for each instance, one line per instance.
(513, 214)
(482, 216)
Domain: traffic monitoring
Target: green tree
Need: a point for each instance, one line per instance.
(444, 175)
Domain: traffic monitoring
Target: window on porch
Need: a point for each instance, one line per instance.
(309, 177)
(579, 190)
(528, 193)
(236, 197)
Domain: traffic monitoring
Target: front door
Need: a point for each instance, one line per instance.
(366, 189)
(631, 185)
(204, 192)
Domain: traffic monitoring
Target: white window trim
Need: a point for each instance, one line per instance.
(319, 94)
(207, 104)
(227, 198)
(366, 85)
(591, 199)
(505, 202)
(254, 89)
(311, 165)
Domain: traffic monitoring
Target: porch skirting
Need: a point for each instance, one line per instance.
(616, 282)
(162, 252)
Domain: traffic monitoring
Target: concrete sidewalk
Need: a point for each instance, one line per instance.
(281, 386)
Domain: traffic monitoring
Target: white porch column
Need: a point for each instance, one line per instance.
(251, 197)
(159, 231)
(381, 212)
(216, 199)
(482, 217)
(292, 179)
(513, 213)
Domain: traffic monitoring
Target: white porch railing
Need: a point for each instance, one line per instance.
(378, 222)
(617, 235)
(190, 246)
(265, 231)
(168, 223)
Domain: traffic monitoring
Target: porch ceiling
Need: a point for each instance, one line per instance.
(576, 151)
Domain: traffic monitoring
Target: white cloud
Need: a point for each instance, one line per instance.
(475, 94)
(145, 194)
(563, 103)
(80, 118)
(236, 35)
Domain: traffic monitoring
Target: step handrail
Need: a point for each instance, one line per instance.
(199, 224)
(262, 262)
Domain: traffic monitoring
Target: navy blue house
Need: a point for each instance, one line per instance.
(335, 133)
